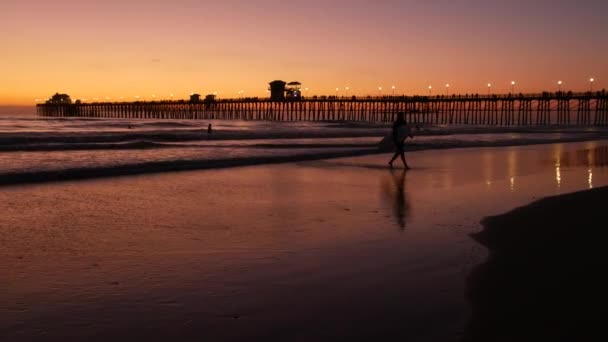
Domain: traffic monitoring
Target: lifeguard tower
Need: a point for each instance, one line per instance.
(279, 91)
(195, 98)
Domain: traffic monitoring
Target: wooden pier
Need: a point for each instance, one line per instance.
(582, 109)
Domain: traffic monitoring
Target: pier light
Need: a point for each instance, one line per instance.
(489, 87)
(591, 80)
(393, 87)
(379, 91)
(559, 85)
(512, 86)
(447, 89)
(215, 93)
(346, 88)
(153, 96)
(122, 97)
(430, 89)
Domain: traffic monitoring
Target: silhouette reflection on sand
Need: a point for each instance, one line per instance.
(394, 191)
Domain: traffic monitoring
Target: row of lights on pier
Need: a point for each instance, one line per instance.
(559, 86)
(346, 89)
(242, 92)
(447, 87)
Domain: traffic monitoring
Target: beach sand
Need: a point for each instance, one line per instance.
(316, 250)
(543, 279)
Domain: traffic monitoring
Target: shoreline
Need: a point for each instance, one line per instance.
(157, 167)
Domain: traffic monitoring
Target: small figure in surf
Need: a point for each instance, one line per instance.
(209, 129)
(399, 134)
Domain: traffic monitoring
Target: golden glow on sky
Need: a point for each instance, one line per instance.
(99, 49)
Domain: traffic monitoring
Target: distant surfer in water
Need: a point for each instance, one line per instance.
(400, 132)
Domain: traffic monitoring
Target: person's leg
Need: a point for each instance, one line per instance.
(403, 160)
(393, 158)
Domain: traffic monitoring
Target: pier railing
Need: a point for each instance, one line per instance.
(588, 109)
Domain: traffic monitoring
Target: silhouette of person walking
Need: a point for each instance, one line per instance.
(209, 129)
(399, 134)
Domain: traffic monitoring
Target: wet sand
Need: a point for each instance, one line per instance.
(317, 250)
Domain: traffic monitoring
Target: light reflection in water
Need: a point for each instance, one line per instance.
(592, 156)
(488, 167)
(558, 174)
(558, 165)
(512, 160)
(593, 152)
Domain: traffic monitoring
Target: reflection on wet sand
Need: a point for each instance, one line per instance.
(593, 156)
(394, 191)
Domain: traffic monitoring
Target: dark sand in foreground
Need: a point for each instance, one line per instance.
(544, 279)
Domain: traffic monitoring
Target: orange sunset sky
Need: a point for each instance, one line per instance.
(98, 49)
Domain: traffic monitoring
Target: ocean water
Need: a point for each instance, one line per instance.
(40, 149)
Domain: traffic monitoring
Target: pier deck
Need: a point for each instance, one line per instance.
(584, 109)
